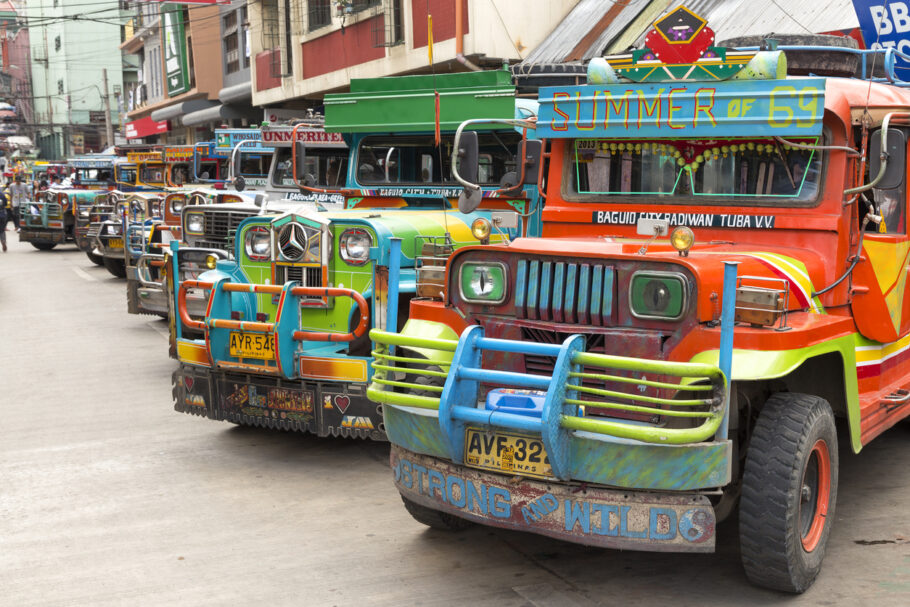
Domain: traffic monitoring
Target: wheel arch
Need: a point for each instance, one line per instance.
(809, 370)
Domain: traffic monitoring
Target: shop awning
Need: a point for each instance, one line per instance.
(177, 110)
(238, 92)
(212, 114)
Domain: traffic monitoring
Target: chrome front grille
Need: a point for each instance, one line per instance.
(564, 292)
(222, 225)
(305, 275)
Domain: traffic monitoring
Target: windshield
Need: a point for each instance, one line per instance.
(152, 173)
(98, 175)
(415, 159)
(327, 166)
(180, 174)
(753, 169)
(254, 165)
(126, 174)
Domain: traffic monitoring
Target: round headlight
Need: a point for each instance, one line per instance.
(481, 228)
(210, 261)
(258, 243)
(483, 282)
(354, 246)
(177, 203)
(195, 223)
(682, 239)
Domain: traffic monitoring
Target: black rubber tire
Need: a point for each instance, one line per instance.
(770, 528)
(44, 246)
(117, 267)
(98, 260)
(434, 518)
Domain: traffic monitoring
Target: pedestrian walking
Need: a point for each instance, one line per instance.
(19, 195)
(4, 218)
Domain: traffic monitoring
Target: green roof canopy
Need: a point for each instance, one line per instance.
(404, 104)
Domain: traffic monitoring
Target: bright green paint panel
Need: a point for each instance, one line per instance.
(406, 104)
(754, 365)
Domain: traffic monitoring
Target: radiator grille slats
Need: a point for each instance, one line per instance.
(221, 227)
(564, 292)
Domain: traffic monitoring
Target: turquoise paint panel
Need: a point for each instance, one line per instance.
(608, 294)
(569, 306)
(584, 287)
(733, 108)
(533, 281)
(642, 466)
(416, 431)
(545, 273)
(521, 278)
(592, 458)
(559, 281)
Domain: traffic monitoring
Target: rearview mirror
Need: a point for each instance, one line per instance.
(467, 156)
(897, 159)
(299, 160)
(239, 183)
(531, 152)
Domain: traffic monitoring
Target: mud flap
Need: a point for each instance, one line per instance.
(192, 392)
(132, 296)
(342, 413)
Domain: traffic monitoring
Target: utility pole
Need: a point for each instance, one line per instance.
(108, 127)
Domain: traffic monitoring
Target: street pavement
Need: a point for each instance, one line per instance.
(110, 497)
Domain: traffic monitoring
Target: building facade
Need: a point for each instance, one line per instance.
(194, 70)
(69, 57)
(15, 77)
(304, 48)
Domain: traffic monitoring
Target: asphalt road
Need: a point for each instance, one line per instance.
(109, 497)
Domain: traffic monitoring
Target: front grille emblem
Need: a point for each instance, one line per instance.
(292, 241)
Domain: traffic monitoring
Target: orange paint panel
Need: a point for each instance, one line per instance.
(338, 369)
(192, 353)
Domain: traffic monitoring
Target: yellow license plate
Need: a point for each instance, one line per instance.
(115, 243)
(506, 452)
(252, 345)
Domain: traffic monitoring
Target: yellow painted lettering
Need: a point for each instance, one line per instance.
(563, 115)
(704, 106)
(775, 108)
(593, 124)
(650, 111)
(673, 109)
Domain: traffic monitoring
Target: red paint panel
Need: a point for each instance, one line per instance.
(443, 12)
(268, 63)
(339, 50)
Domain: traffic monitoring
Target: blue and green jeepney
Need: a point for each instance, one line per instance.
(283, 341)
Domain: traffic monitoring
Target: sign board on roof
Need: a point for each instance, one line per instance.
(282, 135)
(741, 108)
(178, 154)
(227, 139)
(886, 24)
(143, 156)
(105, 162)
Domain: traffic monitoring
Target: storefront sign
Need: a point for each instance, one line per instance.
(176, 67)
(283, 135)
(145, 127)
(227, 139)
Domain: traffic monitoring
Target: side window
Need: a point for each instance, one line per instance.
(891, 197)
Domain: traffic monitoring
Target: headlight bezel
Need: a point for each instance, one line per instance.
(496, 298)
(188, 217)
(344, 242)
(266, 235)
(176, 203)
(667, 278)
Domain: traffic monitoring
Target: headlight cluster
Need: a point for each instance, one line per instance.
(354, 246)
(176, 202)
(482, 282)
(194, 222)
(657, 295)
(114, 229)
(83, 212)
(258, 243)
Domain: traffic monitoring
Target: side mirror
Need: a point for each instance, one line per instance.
(467, 156)
(299, 159)
(469, 200)
(239, 183)
(531, 152)
(897, 159)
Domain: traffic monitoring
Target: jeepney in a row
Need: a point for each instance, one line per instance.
(282, 341)
(721, 281)
(57, 214)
